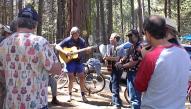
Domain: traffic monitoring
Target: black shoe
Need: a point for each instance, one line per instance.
(55, 102)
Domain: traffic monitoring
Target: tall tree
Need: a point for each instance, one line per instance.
(60, 19)
(165, 8)
(121, 10)
(109, 18)
(11, 10)
(140, 16)
(103, 33)
(149, 7)
(132, 14)
(40, 11)
(178, 15)
(77, 13)
(20, 4)
(169, 9)
(98, 20)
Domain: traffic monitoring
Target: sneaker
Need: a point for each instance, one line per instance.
(55, 102)
(84, 99)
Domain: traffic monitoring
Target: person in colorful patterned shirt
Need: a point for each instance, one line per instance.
(27, 60)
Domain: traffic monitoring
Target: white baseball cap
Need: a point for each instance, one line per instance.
(171, 23)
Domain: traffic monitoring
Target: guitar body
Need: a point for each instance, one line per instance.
(63, 58)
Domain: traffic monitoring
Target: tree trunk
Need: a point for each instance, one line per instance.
(11, 10)
(132, 14)
(169, 8)
(178, 15)
(4, 14)
(60, 19)
(165, 8)
(40, 11)
(109, 18)
(121, 10)
(140, 16)
(20, 4)
(98, 21)
(149, 7)
(77, 13)
(103, 34)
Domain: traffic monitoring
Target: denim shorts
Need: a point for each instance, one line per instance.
(75, 67)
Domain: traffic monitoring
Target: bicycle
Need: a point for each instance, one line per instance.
(94, 82)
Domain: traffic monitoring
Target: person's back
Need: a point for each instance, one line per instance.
(164, 70)
(26, 60)
(26, 71)
(168, 85)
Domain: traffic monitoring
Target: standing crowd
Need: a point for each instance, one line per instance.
(157, 68)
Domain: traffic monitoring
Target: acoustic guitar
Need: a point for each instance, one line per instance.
(63, 58)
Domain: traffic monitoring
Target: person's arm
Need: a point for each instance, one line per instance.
(146, 69)
(49, 59)
(60, 49)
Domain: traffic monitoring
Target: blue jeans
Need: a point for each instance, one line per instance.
(53, 85)
(114, 86)
(134, 95)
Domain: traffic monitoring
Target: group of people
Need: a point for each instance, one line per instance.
(157, 73)
(157, 67)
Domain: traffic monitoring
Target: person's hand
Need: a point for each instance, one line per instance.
(145, 49)
(119, 66)
(105, 57)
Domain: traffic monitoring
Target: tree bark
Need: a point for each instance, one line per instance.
(165, 8)
(132, 14)
(77, 13)
(60, 19)
(20, 4)
(109, 18)
(140, 16)
(178, 15)
(103, 33)
(149, 7)
(40, 11)
(169, 9)
(98, 20)
(121, 10)
(11, 10)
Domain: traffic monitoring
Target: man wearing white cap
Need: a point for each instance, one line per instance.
(5, 32)
(171, 31)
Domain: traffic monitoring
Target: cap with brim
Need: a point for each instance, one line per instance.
(7, 29)
(171, 23)
(131, 32)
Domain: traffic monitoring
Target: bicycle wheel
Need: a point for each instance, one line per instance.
(126, 96)
(94, 83)
(62, 80)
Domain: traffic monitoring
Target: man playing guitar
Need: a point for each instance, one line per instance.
(74, 65)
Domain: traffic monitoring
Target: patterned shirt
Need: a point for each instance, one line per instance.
(26, 59)
(135, 55)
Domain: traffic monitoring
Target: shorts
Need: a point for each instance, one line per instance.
(75, 67)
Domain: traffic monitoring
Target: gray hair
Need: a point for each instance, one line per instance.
(74, 30)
